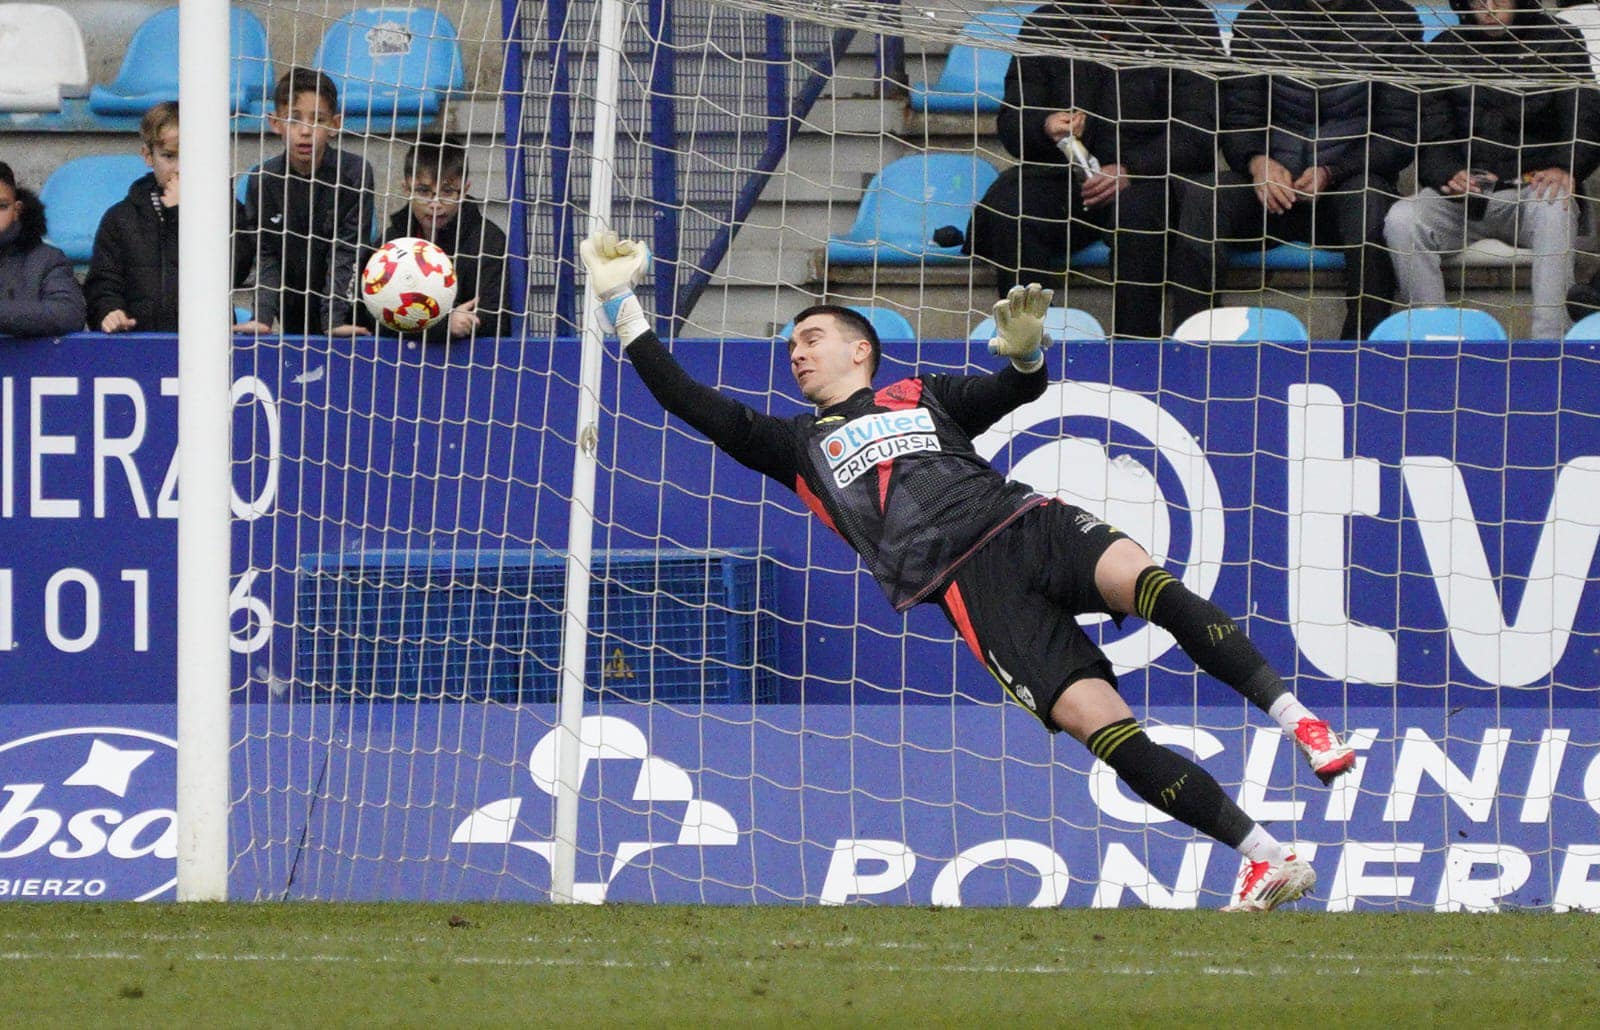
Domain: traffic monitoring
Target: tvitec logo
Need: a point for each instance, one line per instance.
(85, 813)
(633, 803)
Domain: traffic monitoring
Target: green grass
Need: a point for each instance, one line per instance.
(488, 965)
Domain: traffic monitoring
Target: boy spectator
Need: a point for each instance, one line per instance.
(1499, 162)
(39, 295)
(439, 211)
(308, 209)
(133, 274)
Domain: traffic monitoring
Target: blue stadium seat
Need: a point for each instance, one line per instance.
(392, 62)
(974, 77)
(1225, 11)
(1585, 329)
(1270, 325)
(1443, 323)
(77, 194)
(1436, 18)
(1296, 257)
(1063, 324)
(887, 322)
(149, 74)
(42, 59)
(903, 205)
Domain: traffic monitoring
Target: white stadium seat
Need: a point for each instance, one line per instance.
(42, 59)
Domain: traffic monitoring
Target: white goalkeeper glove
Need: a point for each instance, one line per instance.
(615, 267)
(1019, 326)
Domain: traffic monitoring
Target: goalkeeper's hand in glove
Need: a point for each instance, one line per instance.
(615, 267)
(1019, 326)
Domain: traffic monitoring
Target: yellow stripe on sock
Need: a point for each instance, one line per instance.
(1149, 590)
(1111, 738)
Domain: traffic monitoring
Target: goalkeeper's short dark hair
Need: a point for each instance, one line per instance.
(851, 320)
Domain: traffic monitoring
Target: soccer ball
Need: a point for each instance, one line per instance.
(409, 284)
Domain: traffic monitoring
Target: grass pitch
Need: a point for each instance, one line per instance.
(501, 965)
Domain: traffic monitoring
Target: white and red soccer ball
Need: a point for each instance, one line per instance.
(409, 284)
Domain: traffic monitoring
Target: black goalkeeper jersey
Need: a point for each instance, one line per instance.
(892, 471)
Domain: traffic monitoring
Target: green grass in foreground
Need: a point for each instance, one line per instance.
(450, 965)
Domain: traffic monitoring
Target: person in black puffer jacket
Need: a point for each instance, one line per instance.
(1312, 159)
(1141, 124)
(133, 274)
(39, 295)
(1499, 161)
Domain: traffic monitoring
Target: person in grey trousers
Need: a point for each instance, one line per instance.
(1497, 161)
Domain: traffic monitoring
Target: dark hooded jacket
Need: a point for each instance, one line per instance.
(39, 295)
(1510, 131)
(1151, 120)
(1349, 126)
(135, 264)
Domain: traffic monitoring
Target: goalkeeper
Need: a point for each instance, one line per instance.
(893, 471)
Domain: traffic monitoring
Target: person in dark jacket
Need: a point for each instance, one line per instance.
(1499, 162)
(1313, 157)
(39, 295)
(133, 273)
(439, 211)
(307, 211)
(1130, 128)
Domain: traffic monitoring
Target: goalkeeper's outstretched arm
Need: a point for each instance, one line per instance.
(757, 441)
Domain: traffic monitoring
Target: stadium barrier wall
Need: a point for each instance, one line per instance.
(1437, 501)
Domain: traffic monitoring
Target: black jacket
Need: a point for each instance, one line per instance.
(135, 264)
(1151, 120)
(308, 233)
(39, 295)
(1348, 126)
(477, 247)
(1510, 131)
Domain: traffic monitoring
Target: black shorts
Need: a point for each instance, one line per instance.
(1015, 604)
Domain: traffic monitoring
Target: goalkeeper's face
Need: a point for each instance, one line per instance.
(828, 364)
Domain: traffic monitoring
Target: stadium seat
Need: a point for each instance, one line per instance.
(905, 203)
(1436, 18)
(1586, 19)
(77, 194)
(392, 62)
(149, 73)
(1296, 257)
(1443, 323)
(1585, 329)
(887, 322)
(1063, 324)
(42, 60)
(1219, 325)
(1225, 11)
(973, 80)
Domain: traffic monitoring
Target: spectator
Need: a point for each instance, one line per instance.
(307, 210)
(133, 274)
(1140, 125)
(438, 210)
(1499, 162)
(1311, 159)
(39, 295)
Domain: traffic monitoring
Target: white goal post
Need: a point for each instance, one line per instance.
(502, 629)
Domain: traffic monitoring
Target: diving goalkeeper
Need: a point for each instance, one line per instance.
(893, 471)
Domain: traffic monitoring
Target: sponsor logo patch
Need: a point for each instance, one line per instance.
(87, 812)
(862, 443)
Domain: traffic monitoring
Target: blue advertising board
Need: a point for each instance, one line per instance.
(1409, 532)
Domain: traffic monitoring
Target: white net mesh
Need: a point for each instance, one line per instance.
(1406, 529)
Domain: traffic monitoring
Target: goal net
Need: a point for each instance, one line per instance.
(1406, 528)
